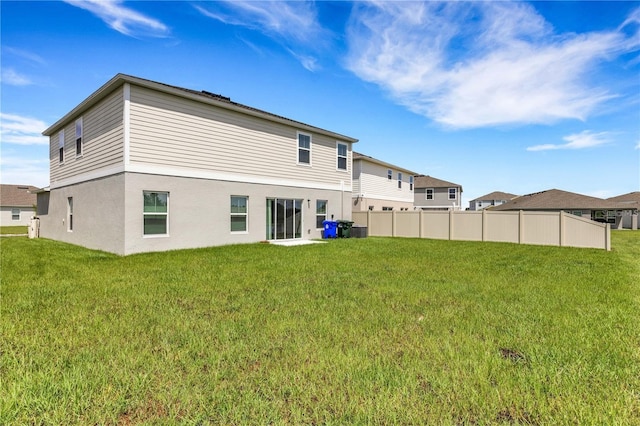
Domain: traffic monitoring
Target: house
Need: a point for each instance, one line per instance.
(597, 209)
(142, 166)
(378, 185)
(632, 199)
(493, 199)
(17, 204)
(436, 194)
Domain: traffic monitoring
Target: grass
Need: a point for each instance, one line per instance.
(9, 230)
(359, 331)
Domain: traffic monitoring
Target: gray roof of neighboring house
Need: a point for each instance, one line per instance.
(423, 181)
(359, 156)
(555, 199)
(18, 195)
(631, 196)
(496, 195)
(202, 96)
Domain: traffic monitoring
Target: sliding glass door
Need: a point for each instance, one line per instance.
(284, 218)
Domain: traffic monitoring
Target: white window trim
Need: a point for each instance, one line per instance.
(61, 146)
(167, 214)
(346, 157)
(69, 214)
(298, 149)
(326, 211)
(13, 212)
(455, 192)
(389, 175)
(410, 183)
(81, 138)
(426, 194)
(399, 180)
(245, 214)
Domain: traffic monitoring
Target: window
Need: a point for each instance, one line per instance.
(410, 183)
(61, 146)
(239, 214)
(452, 193)
(370, 208)
(399, 180)
(342, 156)
(70, 214)
(429, 194)
(389, 175)
(304, 149)
(156, 213)
(79, 137)
(15, 214)
(386, 209)
(321, 212)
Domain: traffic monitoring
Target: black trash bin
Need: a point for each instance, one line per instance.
(344, 228)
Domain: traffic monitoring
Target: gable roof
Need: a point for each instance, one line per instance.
(631, 196)
(359, 156)
(18, 195)
(555, 199)
(496, 195)
(199, 96)
(422, 181)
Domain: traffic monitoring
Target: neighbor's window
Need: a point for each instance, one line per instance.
(239, 214)
(452, 193)
(342, 156)
(15, 214)
(399, 180)
(386, 209)
(70, 214)
(410, 183)
(321, 212)
(304, 148)
(79, 137)
(156, 213)
(61, 146)
(429, 193)
(389, 175)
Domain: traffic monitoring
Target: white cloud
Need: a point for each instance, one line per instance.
(13, 78)
(24, 170)
(20, 130)
(476, 64)
(638, 145)
(585, 139)
(24, 54)
(294, 24)
(122, 19)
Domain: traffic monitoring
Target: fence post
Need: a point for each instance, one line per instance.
(393, 223)
(484, 224)
(368, 221)
(450, 225)
(607, 237)
(420, 224)
(562, 241)
(520, 227)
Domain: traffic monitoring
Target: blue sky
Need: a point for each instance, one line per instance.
(495, 96)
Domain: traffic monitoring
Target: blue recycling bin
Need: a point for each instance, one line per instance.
(329, 229)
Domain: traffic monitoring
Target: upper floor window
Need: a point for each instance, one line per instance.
(61, 146)
(304, 148)
(156, 213)
(410, 183)
(453, 193)
(239, 213)
(341, 149)
(79, 137)
(389, 175)
(399, 180)
(429, 194)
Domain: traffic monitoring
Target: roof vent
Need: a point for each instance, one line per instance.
(215, 95)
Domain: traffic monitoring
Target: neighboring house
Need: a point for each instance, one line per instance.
(493, 199)
(597, 209)
(17, 204)
(378, 185)
(632, 199)
(436, 194)
(143, 166)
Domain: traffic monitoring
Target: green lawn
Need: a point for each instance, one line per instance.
(356, 331)
(4, 230)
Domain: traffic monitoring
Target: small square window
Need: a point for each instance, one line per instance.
(453, 193)
(429, 193)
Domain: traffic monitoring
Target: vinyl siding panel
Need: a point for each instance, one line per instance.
(374, 183)
(174, 132)
(102, 136)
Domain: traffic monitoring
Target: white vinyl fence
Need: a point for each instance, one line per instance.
(523, 227)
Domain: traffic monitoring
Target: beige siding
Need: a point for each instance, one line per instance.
(373, 182)
(103, 141)
(182, 134)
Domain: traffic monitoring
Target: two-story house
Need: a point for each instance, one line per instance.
(378, 185)
(143, 166)
(493, 199)
(436, 194)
